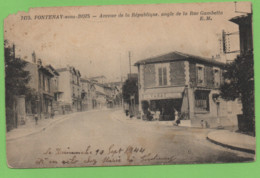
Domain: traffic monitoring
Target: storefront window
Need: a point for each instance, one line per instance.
(202, 101)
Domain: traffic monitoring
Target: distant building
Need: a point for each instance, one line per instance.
(98, 79)
(183, 83)
(40, 83)
(117, 92)
(101, 96)
(69, 83)
(245, 31)
(56, 91)
(88, 95)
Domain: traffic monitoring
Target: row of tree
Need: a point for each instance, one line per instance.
(16, 80)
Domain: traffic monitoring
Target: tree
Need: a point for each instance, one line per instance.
(16, 80)
(130, 88)
(239, 84)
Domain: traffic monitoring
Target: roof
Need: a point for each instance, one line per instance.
(242, 19)
(62, 69)
(97, 77)
(69, 68)
(178, 56)
(46, 70)
(53, 70)
(84, 80)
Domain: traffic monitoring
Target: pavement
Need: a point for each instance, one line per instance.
(225, 138)
(99, 138)
(233, 140)
(31, 127)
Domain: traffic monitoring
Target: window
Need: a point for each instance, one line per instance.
(202, 101)
(200, 75)
(43, 82)
(216, 78)
(49, 86)
(40, 80)
(73, 91)
(162, 72)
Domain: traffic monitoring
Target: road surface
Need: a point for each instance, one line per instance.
(98, 138)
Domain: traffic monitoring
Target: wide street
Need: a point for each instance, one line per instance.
(106, 138)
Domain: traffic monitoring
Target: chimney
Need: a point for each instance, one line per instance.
(34, 57)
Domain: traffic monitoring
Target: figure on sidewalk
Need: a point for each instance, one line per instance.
(176, 117)
(52, 113)
(36, 119)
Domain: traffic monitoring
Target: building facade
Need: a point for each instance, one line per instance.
(88, 95)
(244, 23)
(40, 84)
(56, 91)
(69, 83)
(184, 84)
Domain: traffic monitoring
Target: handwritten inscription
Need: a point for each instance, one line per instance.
(97, 156)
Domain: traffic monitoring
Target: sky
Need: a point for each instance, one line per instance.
(101, 46)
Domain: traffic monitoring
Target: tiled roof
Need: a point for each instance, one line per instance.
(178, 56)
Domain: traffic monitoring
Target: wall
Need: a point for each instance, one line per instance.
(149, 75)
(177, 73)
(33, 69)
(65, 86)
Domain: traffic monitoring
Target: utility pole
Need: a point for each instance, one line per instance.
(121, 79)
(14, 51)
(130, 64)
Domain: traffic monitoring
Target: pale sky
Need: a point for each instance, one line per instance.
(100, 46)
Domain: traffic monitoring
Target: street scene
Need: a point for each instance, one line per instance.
(78, 95)
(99, 131)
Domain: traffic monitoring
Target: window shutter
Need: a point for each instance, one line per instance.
(164, 76)
(160, 76)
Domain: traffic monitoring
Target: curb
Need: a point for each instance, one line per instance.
(47, 126)
(231, 147)
(37, 131)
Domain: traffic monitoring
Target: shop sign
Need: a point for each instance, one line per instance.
(162, 96)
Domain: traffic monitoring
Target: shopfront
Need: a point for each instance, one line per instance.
(165, 101)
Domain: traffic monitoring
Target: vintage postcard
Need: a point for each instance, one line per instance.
(130, 85)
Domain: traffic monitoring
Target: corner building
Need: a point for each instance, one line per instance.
(187, 84)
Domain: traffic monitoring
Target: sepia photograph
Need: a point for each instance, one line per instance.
(124, 85)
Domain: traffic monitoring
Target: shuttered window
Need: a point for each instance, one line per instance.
(162, 72)
(200, 75)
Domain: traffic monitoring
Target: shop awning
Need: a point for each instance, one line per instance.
(163, 93)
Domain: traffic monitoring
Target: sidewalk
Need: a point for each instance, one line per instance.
(120, 116)
(233, 140)
(227, 138)
(31, 128)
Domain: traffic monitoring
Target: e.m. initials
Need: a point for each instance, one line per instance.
(205, 18)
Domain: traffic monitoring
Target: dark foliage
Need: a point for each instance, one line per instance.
(239, 84)
(16, 80)
(130, 88)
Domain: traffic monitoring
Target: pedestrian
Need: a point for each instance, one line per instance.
(202, 123)
(36, 119)
(52, 113)
(176, 117)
